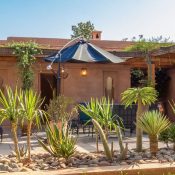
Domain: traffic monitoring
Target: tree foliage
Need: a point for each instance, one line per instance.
(83, 29)
(25, 52)
(147, 45)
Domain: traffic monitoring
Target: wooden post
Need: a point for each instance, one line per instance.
(151, 74)
(151, 71)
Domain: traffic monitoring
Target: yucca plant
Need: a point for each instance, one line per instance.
(101, 112)
(30, 104)
(142, 97)
(10, 110)
(153, 123)
(60, 144)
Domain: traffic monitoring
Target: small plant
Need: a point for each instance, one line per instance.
(164, 137)
(153, 123)
(62, 109)
(30, 105)
(172, 134)
(22, 150)
(60, 144)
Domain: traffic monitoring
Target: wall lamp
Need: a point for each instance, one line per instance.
(83, 72)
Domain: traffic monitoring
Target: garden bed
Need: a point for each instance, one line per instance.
(47, 162)
(143, 169)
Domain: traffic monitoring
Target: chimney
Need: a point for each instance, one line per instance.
(96, 35)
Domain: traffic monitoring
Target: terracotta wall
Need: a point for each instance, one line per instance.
(75, 86)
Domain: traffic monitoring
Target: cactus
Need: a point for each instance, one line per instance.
(103, 138)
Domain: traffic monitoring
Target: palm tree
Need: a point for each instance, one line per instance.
(153, 123)
(10, 110)
(30, 107)
(142, 97)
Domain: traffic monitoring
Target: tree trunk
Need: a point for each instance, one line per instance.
(138, 129)
(15, 139)
(29, 126)
(153, 144)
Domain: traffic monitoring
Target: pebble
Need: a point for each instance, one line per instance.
(104, 163)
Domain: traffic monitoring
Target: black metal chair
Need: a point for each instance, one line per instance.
(1, 132)
(74, 126)
(128, 115)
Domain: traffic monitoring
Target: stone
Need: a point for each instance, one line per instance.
(13, 165)
(83, 166)
(4, 167)
(138, 157)
(62, 165)
(39, 161)
(93, 165)
(20, 164)
(154, 161)
(62, 160)
(94, 161)
(15, 169)
(55, 164)
(141, 161)
(4, 160)
(25, 169)
(104, 163)
(123, 163)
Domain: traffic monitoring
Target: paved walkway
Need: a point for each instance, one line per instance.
(85, 143)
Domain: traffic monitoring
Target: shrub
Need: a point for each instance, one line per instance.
(60, 144)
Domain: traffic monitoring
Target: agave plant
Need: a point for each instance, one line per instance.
(101, 112)
(153, 123)
(30, 104)
(10, 110)
(104, 140)
(142, 97)
(60, 144)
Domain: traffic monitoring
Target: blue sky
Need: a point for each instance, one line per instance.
(117, 19)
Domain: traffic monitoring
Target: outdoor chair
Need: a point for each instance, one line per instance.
(86, 123)
(74, 126)
(1, 133)
(127, 115)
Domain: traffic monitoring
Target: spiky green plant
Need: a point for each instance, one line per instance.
(103, 138)
(164, 137)
(142, 97)
(9, 102)
(172, 134)
(60, 144)
(102, 111)
(153, 123)
(31, 113)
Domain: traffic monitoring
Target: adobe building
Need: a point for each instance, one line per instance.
(97, 77)
(80, 87)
